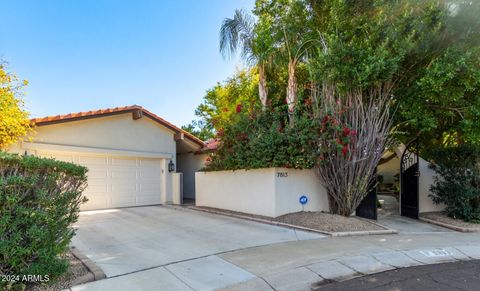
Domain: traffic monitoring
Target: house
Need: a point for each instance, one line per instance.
(134, 157)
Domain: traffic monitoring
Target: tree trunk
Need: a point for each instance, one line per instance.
(291, 89)
(262, 85)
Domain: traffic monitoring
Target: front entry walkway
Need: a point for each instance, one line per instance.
(389, 216)
(405, 225)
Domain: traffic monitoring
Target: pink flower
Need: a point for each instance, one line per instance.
(239, 108)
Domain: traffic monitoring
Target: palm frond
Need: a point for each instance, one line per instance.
(235, 33)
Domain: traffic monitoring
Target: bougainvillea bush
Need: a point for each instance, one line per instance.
(39, 200)
(264, 139)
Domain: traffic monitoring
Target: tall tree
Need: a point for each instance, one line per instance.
(289, 23)
(431, 48)
(14, 121)
(221, 103)
(240, 33)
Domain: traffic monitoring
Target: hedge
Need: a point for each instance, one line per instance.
(457, 184)
(39, 200)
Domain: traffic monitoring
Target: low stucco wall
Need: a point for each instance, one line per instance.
(269, 192)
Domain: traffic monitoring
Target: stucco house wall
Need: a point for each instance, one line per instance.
(426, 179)
(110, 132)
(189, 164)
(389, 169)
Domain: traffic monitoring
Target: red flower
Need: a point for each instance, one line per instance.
(239, 108)
(243, 136)
(346, 131)
(353, 132)
(325, 119)
(345, 150)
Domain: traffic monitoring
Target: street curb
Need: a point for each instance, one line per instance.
(95, 273)
(287, 225)
(449, 226)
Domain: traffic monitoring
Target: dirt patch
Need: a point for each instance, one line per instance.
(76, 270)
(443, 218)
(320, 221)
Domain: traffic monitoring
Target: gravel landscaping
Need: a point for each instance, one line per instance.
(320, 221)
(328, 222)
(77, 269)
(443, 218)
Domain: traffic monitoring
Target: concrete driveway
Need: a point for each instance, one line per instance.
(162, 248)
(129, 240)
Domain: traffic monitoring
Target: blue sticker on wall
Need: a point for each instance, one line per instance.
(303, 200)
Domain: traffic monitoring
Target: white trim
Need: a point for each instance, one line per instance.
(92, 150)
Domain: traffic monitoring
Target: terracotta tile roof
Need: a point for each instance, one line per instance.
(210, 146)
(112, 111)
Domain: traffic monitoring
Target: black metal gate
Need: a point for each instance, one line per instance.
(409, 173)
(368, 206)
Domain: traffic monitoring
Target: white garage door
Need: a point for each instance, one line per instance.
(117, 181)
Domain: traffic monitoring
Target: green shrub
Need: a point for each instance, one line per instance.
(265, 139)
(457, 184)
(39, 200)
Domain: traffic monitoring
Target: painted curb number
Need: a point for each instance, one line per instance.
(436, 253)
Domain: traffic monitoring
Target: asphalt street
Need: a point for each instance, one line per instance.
(463, 275)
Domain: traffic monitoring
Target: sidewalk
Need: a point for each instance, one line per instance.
(299, 265)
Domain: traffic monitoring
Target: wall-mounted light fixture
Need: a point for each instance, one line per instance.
(171, 166)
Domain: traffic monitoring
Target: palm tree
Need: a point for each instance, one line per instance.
(238, 33)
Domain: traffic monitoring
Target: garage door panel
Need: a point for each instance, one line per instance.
(92, 160)
(149, 163)
(126, 173)
(96, 202)
(124, 162)
(149, 175)
(96, 188)
(97, 173)
(124, 189)
(148, 199)
(123, 201)
(117, 181)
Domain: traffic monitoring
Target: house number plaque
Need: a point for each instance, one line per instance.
(282, 174)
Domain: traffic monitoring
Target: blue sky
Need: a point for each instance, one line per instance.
(91, 54)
